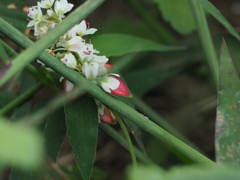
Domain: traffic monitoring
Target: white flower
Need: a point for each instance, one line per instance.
(61, 7)
(82, 29)
(109, 83)
(75, 44)
(69, 60)
(90, 70)
(47, 4)
(87, 50)
(35, 13)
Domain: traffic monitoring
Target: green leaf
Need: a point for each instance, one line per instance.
(120, 44)
(22, 148)
(14, 17)
(212, 10)
(178, 13)
(82, 127)
(54, 132)
(227, 131)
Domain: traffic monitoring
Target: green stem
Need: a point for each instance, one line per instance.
(117, 137)
(20, 99)
(206, 38)
(130, 145)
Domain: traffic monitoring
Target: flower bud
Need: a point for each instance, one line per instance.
(115, 85)
(68, 87)
(108, 117)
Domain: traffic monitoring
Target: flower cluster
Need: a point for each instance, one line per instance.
(76, 51)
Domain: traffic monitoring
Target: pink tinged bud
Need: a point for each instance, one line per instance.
(108, 117)
(122, 89)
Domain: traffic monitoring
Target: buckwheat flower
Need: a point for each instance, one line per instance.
(70, 61)
(114, 85)
(87, 51)
(82, 29)
(61, 7)
(47, 4)
(93, 66)
(75, 44)
(35, 13)
(90, 70)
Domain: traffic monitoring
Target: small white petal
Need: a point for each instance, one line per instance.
(69, 60)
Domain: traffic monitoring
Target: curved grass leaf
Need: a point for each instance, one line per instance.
(178, 13)
(120, 44)
(212, 10)
(228, 119)
(82, 127)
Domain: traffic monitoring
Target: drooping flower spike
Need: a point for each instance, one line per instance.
(77, 52)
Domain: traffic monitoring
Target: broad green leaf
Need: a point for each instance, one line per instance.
(20, 146)
(54, 132)
(183, 173)
(120, 44)
(14, 17)
(142, 80)
(178, 13)
(227, 131)
(212, 10)
(82, 127)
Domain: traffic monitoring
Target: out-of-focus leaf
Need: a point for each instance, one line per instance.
(212, 10)
(20, 146)
(228, 119)
(17, 174)
(14, 17)
(119, 44)
(135, 28)
(6, 97)
(82, 127)
(54, 132)
(142, 80)
(3, 53)
(183, 173)
(178, 13)
(4, 69)
(17, 3)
